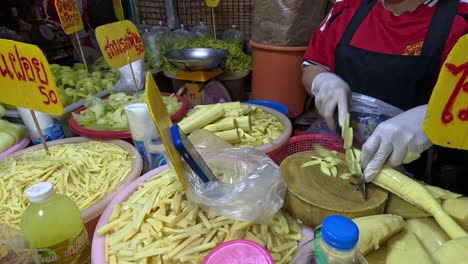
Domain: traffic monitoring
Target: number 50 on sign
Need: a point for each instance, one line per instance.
(26, 80)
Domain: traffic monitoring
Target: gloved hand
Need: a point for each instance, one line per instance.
(396, 141)
(330, 92)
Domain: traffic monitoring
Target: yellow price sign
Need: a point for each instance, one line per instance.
(446, 122)
(118, 9)
(120, 43)
(69, 15)
(26, 78)
(162, 120)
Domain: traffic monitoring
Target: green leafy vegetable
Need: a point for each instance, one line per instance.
(236, 61)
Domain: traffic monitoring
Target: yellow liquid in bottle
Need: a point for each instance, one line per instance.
(56, 230)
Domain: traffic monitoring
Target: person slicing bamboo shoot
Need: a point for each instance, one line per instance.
(391, 50)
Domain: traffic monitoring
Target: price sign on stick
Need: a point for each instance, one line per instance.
(446, 122)
(163, 123)
(120, 43)
(69, 15)
(70, 19)
(26, 79)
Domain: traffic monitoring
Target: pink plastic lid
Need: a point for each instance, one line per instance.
(239, 252)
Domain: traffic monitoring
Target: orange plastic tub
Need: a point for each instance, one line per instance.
(277, 76)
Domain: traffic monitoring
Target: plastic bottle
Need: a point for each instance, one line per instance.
(334, 243)
(53, 224)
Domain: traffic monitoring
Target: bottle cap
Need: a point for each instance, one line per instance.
(239, 251)
(340, 232)
(40, 192)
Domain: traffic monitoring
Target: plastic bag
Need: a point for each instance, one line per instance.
(14, 248)
(249, 186)
(286, 23)
(126, 83)
(366, 114)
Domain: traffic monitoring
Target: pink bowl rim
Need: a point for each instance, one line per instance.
(97, 249)
(23, 143)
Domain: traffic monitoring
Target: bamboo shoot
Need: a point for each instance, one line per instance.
(375, 230)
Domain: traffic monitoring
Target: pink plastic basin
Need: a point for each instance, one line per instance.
(18, 146)
(98, 249)
(239, 252)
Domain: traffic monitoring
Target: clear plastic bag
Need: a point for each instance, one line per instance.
(249, 186)
(366, 114)
(14, 248)
(126, 82)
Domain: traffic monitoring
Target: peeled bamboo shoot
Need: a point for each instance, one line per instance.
(428, 232)
(221, 125)
(374, 230)
(396, 205)
(202, 118)
(405, 248)
(453, 251)
(416, 194)
(231, 136)
(440, 193)
(458, 209)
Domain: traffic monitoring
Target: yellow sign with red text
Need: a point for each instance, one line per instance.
(120, 43)
(26, 79)
(163, 124)
(446, 122)
(69, 15)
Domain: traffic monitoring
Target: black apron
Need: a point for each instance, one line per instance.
(403, 81)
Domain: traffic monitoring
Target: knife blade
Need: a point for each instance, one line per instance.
(361, 183)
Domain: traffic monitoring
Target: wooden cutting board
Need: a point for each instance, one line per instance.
(312, 195)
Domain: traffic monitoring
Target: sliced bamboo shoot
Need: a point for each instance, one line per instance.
(231, 136)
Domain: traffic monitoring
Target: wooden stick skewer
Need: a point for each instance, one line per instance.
(81, 51)
(39, 131)
(134, 79)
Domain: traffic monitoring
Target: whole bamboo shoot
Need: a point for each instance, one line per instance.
(201, 118)
(416, 194)
(440, 193)
(458, 209)
(428, 232)
(453, 251)
(221, 125)
(375, 230)
(397, 206)
(405, 248)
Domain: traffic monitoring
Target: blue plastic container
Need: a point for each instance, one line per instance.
(274, 105)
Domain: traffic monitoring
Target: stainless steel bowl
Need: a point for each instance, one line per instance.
(197, 59)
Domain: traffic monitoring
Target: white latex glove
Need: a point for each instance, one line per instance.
(331, 92)
(396, 141)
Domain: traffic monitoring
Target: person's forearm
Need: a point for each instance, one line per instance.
(308, 75)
